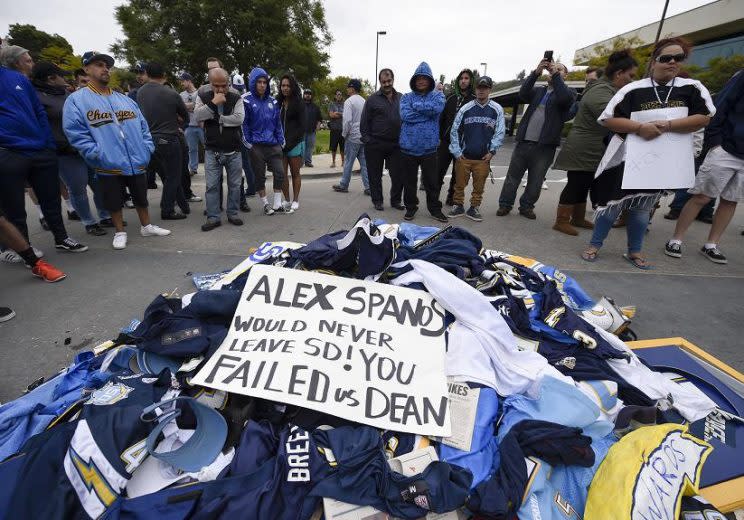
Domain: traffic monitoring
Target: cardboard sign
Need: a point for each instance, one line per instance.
(666, 162)
(364, 351)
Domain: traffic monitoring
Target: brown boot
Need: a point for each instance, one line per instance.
(562, 217)
(579, 217)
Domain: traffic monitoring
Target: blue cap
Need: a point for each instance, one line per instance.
(202, 448)
(151, 363)
(91, 56)
(186, 77)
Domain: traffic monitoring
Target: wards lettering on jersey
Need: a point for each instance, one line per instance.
(297, 448)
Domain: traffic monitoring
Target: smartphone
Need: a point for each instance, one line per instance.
(548, 56)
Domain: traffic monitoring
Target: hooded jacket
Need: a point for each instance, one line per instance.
(453, 105)
(557, 108)
(262, 123)
(419, 115)
(52, 98)
(108, 130)
(24, 127)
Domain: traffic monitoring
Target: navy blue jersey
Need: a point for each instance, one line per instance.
(478, 129)
(78, 469)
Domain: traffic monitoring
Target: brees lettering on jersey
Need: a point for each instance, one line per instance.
(98, 118)
(298, 455)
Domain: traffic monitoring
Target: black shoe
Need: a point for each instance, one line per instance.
(379, 207)
(527, 213)
(398, 205)
(244, 207)
(109, 223)
(339, 188)
(713, 254)
(367, 192)
(309, 165)
(502, 211)
(95, 230)
(210, 225)
(235, 221)
(673, 214)
(6, 314)
(72, 215)
(438, 215)
(172, 216)
(707, 219)
(44, 224)
(410, 213)
(186, 210)
(71, 245)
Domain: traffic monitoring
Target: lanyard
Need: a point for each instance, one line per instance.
(666, 101)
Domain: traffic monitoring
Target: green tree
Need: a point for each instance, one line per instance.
(640, 51)
(718, 72)
(291, 36)
(31, 38)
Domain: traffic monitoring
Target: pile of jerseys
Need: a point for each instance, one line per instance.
(569, 423)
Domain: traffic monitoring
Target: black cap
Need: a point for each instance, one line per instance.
(91, 56)
(355, 84)
(43, 69)
(484, 81)
(139, 67)
(186, 77)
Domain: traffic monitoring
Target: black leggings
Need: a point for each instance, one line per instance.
(577, 188)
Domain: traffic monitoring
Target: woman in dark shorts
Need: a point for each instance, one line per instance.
(293, 122)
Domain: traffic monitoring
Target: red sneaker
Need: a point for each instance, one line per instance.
(47, 272)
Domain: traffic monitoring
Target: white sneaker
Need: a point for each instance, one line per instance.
(11, 257)
(151, 230)
(295, 205)
(545, 186)
(120, 240)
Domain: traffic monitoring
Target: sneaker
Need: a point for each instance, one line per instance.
(44, 224)
(502, 211)
(151, 230)
(172, 216)
(73, 215)
(209, 225)
(120, 240)
(71, 245)
(339, 188)
(194, 198)
(456, 211)
(527, 213)
(235, 221)
(244, 207)
(379, 207)
(438, 215)
(11, 257)
(95, 230)
(295, 205)
(47, 272)
(410, 213)
(367, 192)
(283, 209)
(673, 249)
(268, 210)
(309, 165)
(474, 214)
(6, 314)
(128, 204)
(713, 254)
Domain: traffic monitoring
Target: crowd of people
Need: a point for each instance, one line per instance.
(58, 138)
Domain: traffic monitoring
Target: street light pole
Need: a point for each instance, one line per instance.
(377, 53)
(485, 68)
(661, 22)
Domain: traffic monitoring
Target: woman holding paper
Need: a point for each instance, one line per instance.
(680, 106)
(585, 144)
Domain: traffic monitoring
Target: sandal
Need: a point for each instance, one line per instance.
(638, 261)
(590, 254)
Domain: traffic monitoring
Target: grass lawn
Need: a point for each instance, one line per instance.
(322, 141)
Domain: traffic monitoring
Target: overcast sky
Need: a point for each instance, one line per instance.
(448, 34)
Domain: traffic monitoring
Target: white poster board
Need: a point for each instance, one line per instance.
(364, 351)
(666, 162)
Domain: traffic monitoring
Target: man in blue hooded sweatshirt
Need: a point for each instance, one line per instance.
(264, 136)
(419, 139)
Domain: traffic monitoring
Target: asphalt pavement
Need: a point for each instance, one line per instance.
(105, 289)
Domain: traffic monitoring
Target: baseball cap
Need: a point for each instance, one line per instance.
(186, 76)
(355, 84)
(139, 66)
(91, 56)
(307, 91)
(43, 69)
(485, 81)
(238, 81)
(201, 448)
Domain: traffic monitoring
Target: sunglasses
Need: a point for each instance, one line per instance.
(666, 58)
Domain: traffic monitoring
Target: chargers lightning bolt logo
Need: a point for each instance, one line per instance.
(93, 479)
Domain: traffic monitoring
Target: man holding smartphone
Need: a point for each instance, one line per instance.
(538, 136)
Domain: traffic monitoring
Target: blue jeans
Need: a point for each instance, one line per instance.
(250, 180)
(309, 147)
(194, 136)
(77, 176)
(636, 222)
(213, 163)
(354, 151)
